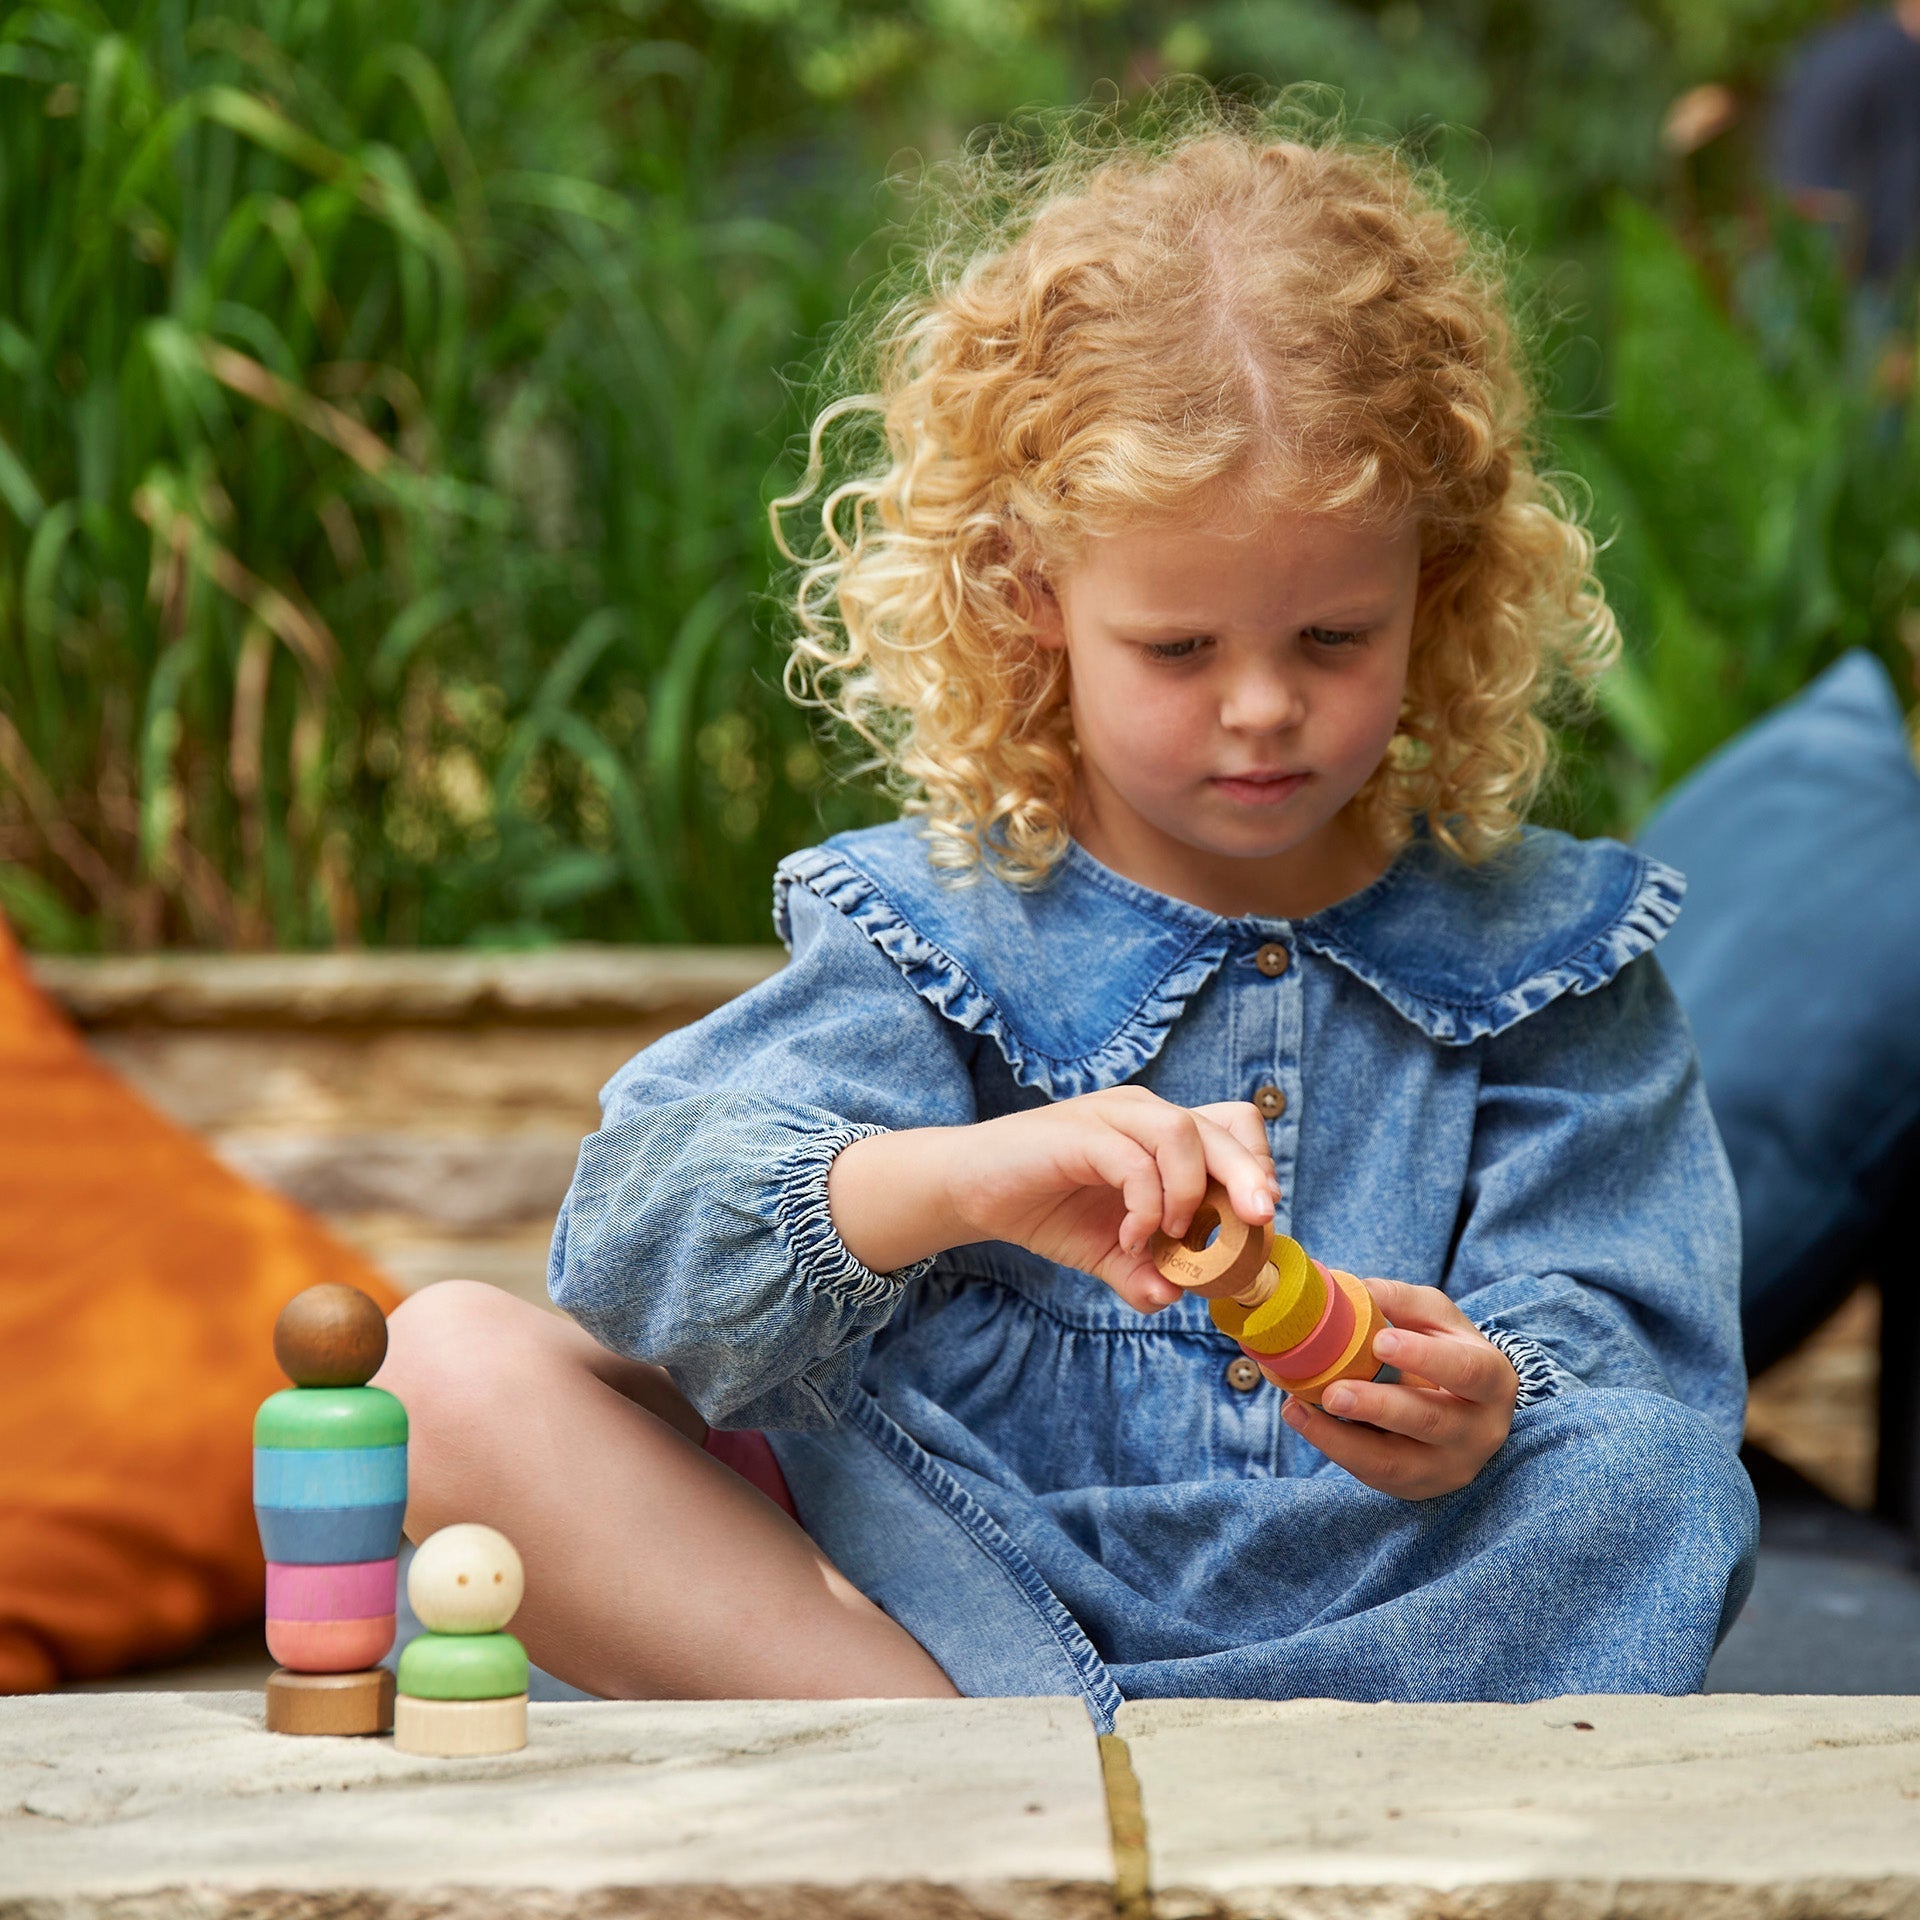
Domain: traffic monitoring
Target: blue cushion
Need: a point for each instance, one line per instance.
(1797, 959)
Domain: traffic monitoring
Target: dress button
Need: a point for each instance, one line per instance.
(1272, 959)
(1271, 1102)
(1242, 1375)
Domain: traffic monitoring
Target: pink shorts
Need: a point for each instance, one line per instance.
(748, 1454)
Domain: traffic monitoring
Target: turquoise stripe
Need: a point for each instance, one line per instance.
(286, 1477)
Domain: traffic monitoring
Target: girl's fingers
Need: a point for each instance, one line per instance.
(1471, 1368)
(1173, 1136)
(1241, 1118)
(1377, 1458)
(1247, 1177)
(1118, 1161)
(1139, 1282)
(1433, 1418)
(1423, 1307)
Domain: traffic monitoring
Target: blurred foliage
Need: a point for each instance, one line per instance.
(1762, 490)
(390, 395)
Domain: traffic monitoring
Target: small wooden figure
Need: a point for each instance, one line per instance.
(463, 1683)
(1305, 1325)
(329, 1492)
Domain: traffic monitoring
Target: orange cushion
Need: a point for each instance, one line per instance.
(139, 1283)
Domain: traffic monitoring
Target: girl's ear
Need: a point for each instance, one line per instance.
(1045, 621)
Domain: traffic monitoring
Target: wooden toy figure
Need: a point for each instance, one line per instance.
(329, 1493)
(463, 1683)
(1304, 1325)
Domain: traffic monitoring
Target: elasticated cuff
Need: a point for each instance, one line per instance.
(1541, 1375)
(805, 1223)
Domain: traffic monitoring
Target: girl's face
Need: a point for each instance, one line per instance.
(1232, 687)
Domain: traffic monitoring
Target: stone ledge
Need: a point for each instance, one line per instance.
(179, 1807)
(1577, 1808)
(559, 985)
(164, 1806)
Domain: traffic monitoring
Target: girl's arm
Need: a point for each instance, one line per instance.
(697, 1232)
(1599, 1239)
(765, 1183)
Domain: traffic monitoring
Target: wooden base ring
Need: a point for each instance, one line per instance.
(453, 1729)
(330, 1702)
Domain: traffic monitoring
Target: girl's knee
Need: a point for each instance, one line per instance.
(456, 1354)
(1644, 1469)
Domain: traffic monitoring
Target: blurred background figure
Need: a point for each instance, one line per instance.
(1846, 136)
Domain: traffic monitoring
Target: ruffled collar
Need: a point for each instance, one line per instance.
(1077, 983)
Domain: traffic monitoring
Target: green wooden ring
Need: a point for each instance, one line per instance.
(463, 1666)
(330, 1417)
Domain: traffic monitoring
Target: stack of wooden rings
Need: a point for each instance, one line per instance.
(1305, 1325)
(330, 1492)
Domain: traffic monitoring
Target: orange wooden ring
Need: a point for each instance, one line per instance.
(1226, 1268)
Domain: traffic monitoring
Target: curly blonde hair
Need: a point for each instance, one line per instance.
(1106, 330)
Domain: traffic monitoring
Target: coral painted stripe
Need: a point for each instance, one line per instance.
(329, 1646)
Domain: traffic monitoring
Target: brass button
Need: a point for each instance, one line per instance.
(1242, 1375)
(1271, 1102)
(1272, 959)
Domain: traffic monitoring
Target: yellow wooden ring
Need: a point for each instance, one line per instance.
(1358, 1362)
(1288, 1314)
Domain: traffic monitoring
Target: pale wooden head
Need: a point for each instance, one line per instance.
(466, 1579)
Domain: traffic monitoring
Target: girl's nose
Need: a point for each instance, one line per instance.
(1260, 701)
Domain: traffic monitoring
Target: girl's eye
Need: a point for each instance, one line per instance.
(1175, 649)
(1336, 636)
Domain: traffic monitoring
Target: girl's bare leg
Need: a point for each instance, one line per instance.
(653, 1572)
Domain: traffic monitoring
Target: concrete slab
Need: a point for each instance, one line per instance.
(1574, 1809)
(170, 1806)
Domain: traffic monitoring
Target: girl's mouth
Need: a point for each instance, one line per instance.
(1258, 789)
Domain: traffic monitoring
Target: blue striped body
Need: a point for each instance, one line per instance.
(329, 1476)
(328, 1536)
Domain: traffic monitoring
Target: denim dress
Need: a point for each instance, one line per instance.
(1476, 1079)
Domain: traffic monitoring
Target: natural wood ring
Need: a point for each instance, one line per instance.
(1223, 1270)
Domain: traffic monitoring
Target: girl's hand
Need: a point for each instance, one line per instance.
(1086, 1182)
(1440, 1424)
(1089, 1181)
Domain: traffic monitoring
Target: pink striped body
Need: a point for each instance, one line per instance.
(330, 1646)
(354, 1590)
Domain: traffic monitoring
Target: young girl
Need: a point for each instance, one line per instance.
(1205, 598)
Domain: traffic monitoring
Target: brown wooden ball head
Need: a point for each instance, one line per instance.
(330, 1336)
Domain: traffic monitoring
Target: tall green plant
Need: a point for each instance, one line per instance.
(385, 407)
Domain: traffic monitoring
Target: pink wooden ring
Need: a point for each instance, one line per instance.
(1323, 1346)
(346, 1590)
(330, 1646)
